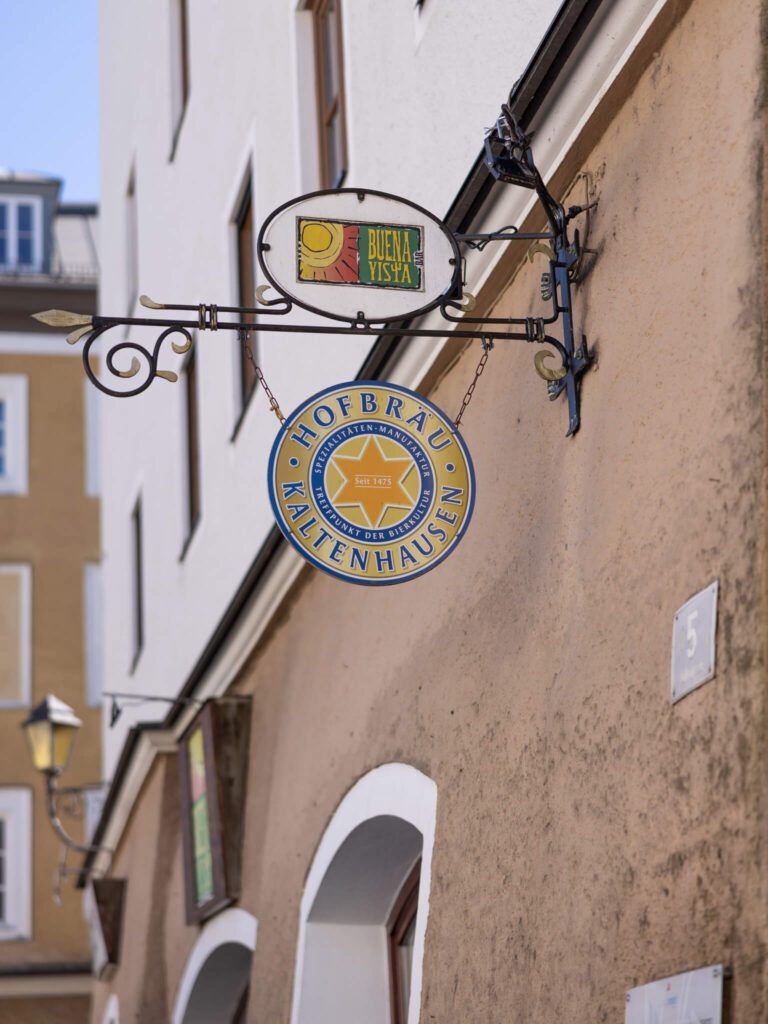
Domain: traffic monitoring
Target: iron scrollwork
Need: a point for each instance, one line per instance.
(509, 159)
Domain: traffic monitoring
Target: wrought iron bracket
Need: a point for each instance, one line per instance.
(509, 159)
(53, 792)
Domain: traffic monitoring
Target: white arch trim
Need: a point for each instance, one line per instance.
(234, 925)
(112, 1011)
(399, 790)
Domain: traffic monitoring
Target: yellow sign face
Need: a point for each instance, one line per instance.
(371, 483)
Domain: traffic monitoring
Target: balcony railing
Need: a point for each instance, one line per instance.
(55, 272)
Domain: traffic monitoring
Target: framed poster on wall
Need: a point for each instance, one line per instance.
(213, 767)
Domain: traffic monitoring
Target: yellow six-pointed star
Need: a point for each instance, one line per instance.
(373, 482)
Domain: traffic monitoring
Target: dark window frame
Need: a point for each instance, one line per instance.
(192, 445)
(137, 543)
(241, 1011)
(245, 248)
(3, 870)
(181, 40)
(131, 244)
(4, 418)
(328, 107)
(401, 919)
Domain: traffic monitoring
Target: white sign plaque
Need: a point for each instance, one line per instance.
(693, 642)
(695, 997)
(355, 254)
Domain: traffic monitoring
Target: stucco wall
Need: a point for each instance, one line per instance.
(590, 836)
(52, 1010)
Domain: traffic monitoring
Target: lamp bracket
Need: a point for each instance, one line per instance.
(52, 794)
(509, 159)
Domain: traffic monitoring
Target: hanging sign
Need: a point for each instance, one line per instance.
(213, 760)
(354, 254)
(371, 483)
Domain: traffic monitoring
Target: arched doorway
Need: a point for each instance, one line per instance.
(377, 845)
(214, 986)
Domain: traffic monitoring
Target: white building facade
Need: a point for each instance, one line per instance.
(421, 84)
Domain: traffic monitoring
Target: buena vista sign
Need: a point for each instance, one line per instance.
(359, 255)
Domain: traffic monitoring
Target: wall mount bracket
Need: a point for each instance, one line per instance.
(509, 159)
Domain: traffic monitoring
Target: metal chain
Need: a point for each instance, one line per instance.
(487, 346)
(273, 404)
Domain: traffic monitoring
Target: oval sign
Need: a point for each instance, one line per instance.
(371, 483)
(356, 254)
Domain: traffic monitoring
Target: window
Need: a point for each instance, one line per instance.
(92, 439)
(93, 620)
(13, 434)
(131, 245)
(329, 87)
(246, 286)
(402, 933)
(179, 68)
(3, 873)
(15, 863)
(138, 583)
(21, 233)
(15, 635)
(192, 424)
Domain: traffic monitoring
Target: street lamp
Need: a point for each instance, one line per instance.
(51, 729)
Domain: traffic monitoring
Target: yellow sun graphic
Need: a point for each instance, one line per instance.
(327, 251)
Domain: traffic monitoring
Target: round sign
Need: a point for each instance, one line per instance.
(356, 254)
(371, 482)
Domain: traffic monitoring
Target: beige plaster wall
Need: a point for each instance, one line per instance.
(54, 529)
(590, 836)
(51, 1010)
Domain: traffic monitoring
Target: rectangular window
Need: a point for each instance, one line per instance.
(329, 87)
(179, 67)
(193, 443)
(15, 863)
(93, 619)
(92, 409)
(2, 872)
(25, 235)
(138, 583)
(4, 241)
(14, 434)
(21, 234)
(246, 285)
(3, 451)
(131, 245)
(15, 635)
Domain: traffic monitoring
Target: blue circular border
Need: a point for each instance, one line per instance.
(425, 457)
(284, 528)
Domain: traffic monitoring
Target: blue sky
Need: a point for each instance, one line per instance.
(49, 81)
